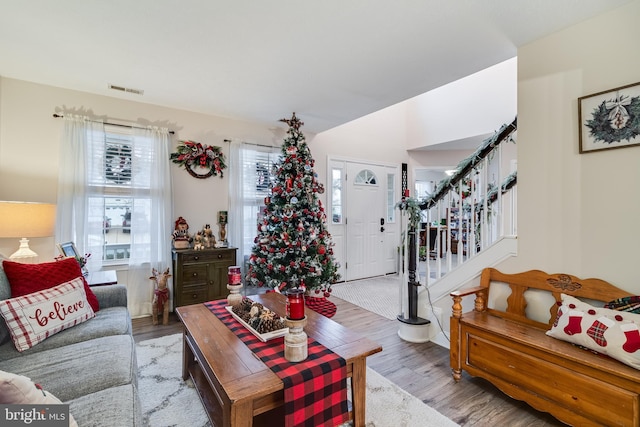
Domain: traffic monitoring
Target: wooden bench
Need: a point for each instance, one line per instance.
(509, 348)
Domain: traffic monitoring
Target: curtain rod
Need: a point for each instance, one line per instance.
(258, 145)
(59, 116)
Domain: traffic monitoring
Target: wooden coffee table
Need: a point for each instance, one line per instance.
(235, 386)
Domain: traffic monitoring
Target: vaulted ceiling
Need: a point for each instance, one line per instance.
(331, 61)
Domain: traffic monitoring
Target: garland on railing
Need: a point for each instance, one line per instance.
(412, 207)
(469, 163)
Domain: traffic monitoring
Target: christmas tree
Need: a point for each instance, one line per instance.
(293, 248)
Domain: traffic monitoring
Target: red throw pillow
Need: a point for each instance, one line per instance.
(26, 279)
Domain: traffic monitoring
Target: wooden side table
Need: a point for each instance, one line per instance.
(102, 277)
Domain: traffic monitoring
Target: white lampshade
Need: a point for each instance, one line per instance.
(24, 219)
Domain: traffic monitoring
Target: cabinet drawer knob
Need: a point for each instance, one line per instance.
(194, 296)
(196, 257)
(219, 256)
(195, 274)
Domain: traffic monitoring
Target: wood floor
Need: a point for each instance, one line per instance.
(420, 369)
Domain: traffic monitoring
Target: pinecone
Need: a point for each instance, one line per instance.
(246, 304)
(267, 325)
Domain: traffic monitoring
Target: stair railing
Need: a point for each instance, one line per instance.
(471, 209)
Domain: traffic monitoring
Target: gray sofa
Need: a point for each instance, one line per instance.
(91, 366)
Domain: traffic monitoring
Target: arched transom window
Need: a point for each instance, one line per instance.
(366, 177)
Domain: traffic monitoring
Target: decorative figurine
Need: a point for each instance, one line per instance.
(181, 238)
(198, 241)
(209, 238)
(222, 223)
(160, 296)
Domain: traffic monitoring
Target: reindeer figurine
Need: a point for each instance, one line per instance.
(160, 296)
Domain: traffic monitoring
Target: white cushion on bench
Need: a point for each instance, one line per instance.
(610, 332)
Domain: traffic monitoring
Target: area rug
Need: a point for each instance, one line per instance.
(166, 400)
(380, 295)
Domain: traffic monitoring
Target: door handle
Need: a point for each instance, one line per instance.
(381, 229)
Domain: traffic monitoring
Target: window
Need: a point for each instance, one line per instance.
(336, 196)
(257, 169)
(110, 193)
(366, 177)
(391, 203)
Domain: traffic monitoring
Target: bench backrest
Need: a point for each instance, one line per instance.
(554, 284)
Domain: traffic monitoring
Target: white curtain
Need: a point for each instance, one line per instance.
(248, 186)
(81, 202)
(150, 215)
(73, 220)
(235, 229)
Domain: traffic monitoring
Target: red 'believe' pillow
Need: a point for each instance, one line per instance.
(26, 279)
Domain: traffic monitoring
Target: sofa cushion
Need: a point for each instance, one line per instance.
(610, 332)
(28, 278)
(18, 389)
(79, 369)
(33, 318)
(109, 321)
(115, 406)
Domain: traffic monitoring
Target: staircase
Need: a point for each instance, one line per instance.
(470, 221)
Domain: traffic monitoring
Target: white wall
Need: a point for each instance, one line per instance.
(29, 148)
(377, 137)
(577, 213)
(474, 105)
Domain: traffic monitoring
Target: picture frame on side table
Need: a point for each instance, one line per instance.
(68, 249)
(609, 119)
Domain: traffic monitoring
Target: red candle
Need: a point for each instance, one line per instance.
(234, 275)
(295, 304)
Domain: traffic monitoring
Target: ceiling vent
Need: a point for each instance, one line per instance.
(127, 89)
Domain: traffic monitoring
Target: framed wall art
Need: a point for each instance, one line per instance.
(610, 119)
(68, 249)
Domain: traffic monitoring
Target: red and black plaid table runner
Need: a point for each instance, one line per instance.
(315, 390)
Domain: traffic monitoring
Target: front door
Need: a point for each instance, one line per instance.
(370, 234)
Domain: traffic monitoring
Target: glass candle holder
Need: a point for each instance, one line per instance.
(295, 304)
(234, 275)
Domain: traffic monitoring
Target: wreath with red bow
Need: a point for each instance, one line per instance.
(194, 155)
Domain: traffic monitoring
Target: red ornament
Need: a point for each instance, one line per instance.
(321, 250)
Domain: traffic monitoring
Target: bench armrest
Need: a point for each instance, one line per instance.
(111, 295)
(465, 292)
(480, 303)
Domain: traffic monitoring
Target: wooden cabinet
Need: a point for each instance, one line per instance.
(201, 276)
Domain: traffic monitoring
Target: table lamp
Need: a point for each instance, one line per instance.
(24, 219)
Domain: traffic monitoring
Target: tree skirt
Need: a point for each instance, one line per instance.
(321, 305)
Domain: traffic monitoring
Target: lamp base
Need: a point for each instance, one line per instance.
(24, 254)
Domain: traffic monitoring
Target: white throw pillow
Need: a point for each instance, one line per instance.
(20, 390)
(611, 332)
(34, 317)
